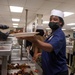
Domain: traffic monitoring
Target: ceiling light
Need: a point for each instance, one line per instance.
(15, 23)
(70, 24)
(15, 26)
(16, 9)
(14, 19)
(63, 29)
(45, 22)
(72, 27)
(68, 14)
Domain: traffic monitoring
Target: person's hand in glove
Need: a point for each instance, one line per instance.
(3, 36)
(3, 26)
(36, 56)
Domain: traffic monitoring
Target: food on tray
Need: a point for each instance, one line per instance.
(21, 72)
(17, 66)
(19, 69)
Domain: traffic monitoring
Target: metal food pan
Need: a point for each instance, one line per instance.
(8, 41)
(5, 47)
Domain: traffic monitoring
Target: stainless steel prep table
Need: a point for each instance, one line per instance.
(4, 53)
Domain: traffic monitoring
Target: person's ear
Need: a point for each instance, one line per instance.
(60, 23)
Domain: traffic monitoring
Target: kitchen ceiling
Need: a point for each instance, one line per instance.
(35, 7)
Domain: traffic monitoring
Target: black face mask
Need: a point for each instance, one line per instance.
(53, 25)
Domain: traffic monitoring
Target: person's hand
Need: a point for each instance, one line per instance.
(35, 57)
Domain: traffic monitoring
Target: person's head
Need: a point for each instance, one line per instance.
(40, 30)
(56, 19)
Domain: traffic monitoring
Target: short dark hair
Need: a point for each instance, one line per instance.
(41, 32)
(61, 20)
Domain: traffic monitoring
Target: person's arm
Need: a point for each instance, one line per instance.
(35, 56)
(35, 51)
(45, 46)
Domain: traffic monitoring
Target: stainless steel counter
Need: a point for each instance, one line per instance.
(5, 51)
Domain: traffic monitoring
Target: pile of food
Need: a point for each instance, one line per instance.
(19, 69)
(17, 66)
(21, 72)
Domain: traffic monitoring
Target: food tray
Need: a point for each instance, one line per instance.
(5, 47)
(8, 41)
(25, 34)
